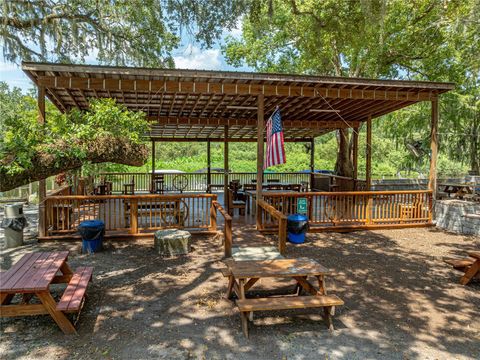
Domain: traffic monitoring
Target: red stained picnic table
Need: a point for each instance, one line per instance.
(32, 275)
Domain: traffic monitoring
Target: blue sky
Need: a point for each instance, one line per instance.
(188, 56)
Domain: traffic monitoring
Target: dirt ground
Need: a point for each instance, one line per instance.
(401, 302)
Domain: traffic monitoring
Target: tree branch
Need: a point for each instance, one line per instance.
(46, 163)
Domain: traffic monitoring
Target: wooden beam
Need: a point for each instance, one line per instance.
(355, 152)
(313, 124)
(260, 150)
(432, 178)
(204, 139)
(368, 151)
(42, 184)
(203, 87)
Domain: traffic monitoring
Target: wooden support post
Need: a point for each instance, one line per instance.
(356, 131)
(368, 150)
(42, 189)
(432, 179)
(312, 163)
(152, 186)
(260, 150)
(133, 216)
(282, 235)
(225, 170)
(228, 237)
(209, 166)
(213, 216)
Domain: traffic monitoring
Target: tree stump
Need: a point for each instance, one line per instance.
(172, 242)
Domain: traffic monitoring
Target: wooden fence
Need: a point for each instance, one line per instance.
(192, 182)
(129, 214)
(356, 210)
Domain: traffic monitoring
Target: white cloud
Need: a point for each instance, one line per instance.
(7, 66)
(195, 58)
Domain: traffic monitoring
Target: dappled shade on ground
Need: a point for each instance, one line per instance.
(401, 301)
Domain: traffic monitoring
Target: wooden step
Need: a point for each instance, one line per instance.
(293, 302)
(72, 298)
(460, 263)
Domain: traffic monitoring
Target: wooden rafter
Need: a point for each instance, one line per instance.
(220, 88)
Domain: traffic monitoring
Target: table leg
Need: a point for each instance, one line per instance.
(321, 285)
(231, 281)
(243, 315)
(470, 273)
(306, 285)
(328, 317)
(59, 317)
(5, 299)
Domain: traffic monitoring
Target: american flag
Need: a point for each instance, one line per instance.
(275, 145)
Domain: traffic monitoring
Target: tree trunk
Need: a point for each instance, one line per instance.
(344, 165)
(47, 161)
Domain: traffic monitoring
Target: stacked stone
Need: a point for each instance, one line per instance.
(462, 217)
(471, 224)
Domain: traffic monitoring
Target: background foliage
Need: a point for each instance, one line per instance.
(23, 137)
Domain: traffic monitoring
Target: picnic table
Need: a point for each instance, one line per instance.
(470, 267)
(32, 275)
(245, 274)
(458, 190)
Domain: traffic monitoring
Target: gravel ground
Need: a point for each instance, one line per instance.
(401, 302)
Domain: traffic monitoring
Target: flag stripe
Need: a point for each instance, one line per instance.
(275, 153)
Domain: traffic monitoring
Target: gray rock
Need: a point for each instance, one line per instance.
(172, 242)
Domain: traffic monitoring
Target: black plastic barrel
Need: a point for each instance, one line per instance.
(297, 227)
(92, 232)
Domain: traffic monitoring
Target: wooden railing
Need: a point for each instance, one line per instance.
(129, 214)
(61, 191)
(191, 182)
(269, 214)
(227, 232)
(351, 210)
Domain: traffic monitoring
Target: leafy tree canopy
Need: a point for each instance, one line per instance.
(423, 40)
(139, 32)
(30, 151)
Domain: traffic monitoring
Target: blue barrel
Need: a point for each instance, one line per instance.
(297, 227)
(92, 232)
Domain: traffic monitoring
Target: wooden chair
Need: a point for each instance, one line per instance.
(129, 189)
(235, 204)
(158, 183)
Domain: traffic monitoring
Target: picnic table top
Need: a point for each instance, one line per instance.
(33, 272)
(276, 268)
(474, 254)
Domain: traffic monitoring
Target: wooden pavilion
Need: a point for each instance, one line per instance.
(220, 106)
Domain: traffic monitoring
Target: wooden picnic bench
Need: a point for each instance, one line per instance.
(32, 275)
(470, 267)
(243, 275)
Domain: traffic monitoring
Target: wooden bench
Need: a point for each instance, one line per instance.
(72, 298)
(327, 302)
